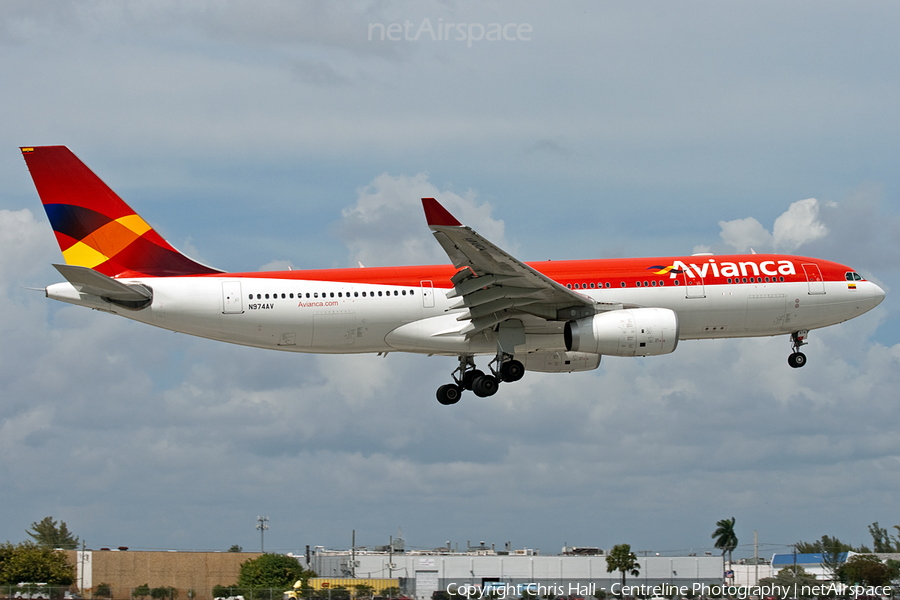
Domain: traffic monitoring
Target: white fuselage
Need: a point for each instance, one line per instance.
(340, 318)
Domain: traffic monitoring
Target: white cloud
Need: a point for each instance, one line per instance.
(277, 265)
(387, 224)
(743, 234)
(25, 242)
(226, 425)
(797, 226)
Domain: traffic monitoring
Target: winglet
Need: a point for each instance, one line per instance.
(437, 215)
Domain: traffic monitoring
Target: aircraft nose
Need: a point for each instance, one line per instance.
(877, 294)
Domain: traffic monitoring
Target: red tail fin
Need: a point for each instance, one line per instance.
(94, 227)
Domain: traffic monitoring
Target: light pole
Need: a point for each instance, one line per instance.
(262, 523)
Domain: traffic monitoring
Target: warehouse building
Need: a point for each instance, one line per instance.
(579, 572)
(573, 574)
(196, 572)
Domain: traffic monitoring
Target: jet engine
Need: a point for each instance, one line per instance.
(628, 332)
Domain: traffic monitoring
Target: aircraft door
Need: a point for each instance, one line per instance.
(693, 286)
(427, 294)
(814, 278)
(232, 300)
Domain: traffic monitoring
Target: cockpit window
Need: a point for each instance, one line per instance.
(853, 276)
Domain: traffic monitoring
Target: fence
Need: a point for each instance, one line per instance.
(37, 591)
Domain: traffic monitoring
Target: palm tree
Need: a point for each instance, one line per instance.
(726, 540)
(621, 558)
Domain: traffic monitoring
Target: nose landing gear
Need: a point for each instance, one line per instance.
(797, 359)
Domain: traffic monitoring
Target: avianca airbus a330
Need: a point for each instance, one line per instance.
(559, 316)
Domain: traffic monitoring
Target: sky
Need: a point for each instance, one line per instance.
(275, 134)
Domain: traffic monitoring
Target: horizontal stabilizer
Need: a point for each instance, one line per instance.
(91, 282)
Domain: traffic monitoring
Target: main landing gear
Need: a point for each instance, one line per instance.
(468, 377)
(797, 359)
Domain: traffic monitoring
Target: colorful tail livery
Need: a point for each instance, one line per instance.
(94, 227)
(552, 317)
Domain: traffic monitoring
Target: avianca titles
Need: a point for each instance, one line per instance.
(558, 316)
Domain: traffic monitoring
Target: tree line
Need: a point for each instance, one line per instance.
(862, 569)
(266, 572)
(41, 559)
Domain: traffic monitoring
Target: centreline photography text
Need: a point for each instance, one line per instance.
(570, 589)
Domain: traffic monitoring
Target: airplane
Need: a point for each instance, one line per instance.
(552, 317)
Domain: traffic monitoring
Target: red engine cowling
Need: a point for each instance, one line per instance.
(630, 332)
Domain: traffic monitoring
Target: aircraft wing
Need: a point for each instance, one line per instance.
(496, 286)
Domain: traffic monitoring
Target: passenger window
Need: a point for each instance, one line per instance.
(395, 292)
(623, 284)
(645, 284)
(607, 284)
(404, 292)
(569, 285)
(251, 296)
(379, 294)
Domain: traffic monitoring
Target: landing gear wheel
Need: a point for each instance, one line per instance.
(512, 370)
(449, 394)
(469, 378)
(797, 360)
(485, 386)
